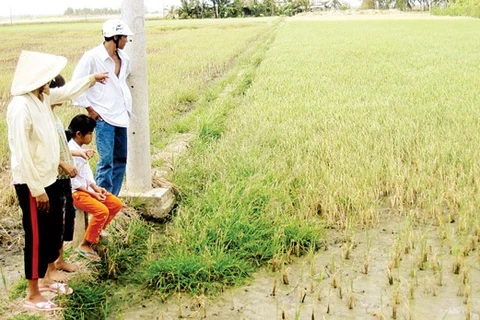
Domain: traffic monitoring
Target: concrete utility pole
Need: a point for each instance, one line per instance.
(159, 201)
(139, 174)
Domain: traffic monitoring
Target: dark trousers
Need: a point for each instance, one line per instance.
(43, 230)
(68, 209)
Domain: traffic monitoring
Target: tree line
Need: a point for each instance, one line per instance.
(198, 9)
(191, 9)
(195, 9)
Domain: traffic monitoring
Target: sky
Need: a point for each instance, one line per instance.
(57, 7)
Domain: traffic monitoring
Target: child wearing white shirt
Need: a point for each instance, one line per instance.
(87, 196)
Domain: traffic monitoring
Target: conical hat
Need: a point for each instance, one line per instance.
(34, 69)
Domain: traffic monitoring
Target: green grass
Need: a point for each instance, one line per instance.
(18, 290)
(125, 249)
(125, 253)
(186, 62)
(91, 299)
(340, 121)
(197, 273)
(231, 218)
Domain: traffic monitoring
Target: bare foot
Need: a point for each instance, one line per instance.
(88, 252)
(86, 248)
(65, 266)
(54, 276)
(35, 298)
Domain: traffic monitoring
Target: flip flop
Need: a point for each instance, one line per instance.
(89, 255)
(41, 306)
(58, 288)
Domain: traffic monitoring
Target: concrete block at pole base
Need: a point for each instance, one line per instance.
(156, 203)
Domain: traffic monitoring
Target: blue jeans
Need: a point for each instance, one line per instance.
(112, 149)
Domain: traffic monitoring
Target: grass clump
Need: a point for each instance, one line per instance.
(18, 290)
(125, 248)
(91, 299)
(205, 254)
(197, 272)
(228, 223)
(124, 253)
(211, 129)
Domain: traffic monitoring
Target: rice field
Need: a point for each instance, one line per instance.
(353, 135)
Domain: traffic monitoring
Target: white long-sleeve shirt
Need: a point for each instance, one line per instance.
(112, 101)
(32, 137)
(84, 177)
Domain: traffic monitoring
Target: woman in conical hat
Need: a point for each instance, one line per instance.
(34, 150)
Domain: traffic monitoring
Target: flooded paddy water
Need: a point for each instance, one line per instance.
(362, 278)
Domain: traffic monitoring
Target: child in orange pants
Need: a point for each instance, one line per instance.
(87, 196)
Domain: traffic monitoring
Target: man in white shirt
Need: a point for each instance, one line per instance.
(109, 105)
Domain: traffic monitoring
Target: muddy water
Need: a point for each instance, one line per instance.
(328, 285)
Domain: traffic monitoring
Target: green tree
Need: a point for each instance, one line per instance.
(68, 12)
(186, 9)
(368, 4)
(269, 7)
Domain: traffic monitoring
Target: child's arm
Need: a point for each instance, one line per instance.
(68, 168)
(98, 189)
(84, 153)
(100, 197)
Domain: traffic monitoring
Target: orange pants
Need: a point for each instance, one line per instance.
(102, 212)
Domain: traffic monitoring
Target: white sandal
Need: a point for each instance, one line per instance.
(41, 306)
(57, 287)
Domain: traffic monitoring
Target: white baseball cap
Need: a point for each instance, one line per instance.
(116, 27)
